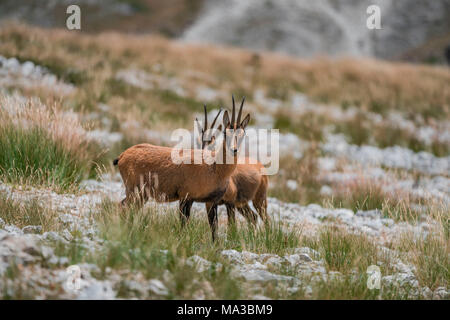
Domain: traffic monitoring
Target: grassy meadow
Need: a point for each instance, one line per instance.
(142, 88)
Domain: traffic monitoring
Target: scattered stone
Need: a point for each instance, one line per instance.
(308, 251)
(259, 297)
(304, 257)
(295, 259)
(32, 229)
(198, 263)
(233, 256)
(29, 75)
(259, 275)
(441, 293)
(136, 288)
(67, 235)
(392, 157)
(155, 286)
(53, 236)
(292, 184)
(22, 249)
(373, 214)
(274, 261)
(46, 252)
(96, 290)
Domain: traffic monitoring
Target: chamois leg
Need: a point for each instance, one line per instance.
(212, 218)
(260, 200)
(136, 202)
(131, 198)
(185, 211)
(143, 193)
(231, 214)
(137, 199)
(261, 208)
(124, 202)
(248, 214)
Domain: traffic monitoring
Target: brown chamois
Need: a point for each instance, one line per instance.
(149, 171)
(247, 183)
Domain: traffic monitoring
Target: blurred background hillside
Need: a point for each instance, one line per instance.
(412, 30)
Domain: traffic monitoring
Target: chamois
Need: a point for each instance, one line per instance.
(149, 171)
(247, 183)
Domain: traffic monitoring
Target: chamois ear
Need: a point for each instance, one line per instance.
(245, 122)
(226, 119)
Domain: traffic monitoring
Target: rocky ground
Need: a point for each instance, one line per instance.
(42, 271)
(28, 248)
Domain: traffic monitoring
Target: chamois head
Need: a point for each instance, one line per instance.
(234, 130)
(207, 134)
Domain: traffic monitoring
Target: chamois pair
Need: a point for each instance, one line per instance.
(149, 171)
(247, 183)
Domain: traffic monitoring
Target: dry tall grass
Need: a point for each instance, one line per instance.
(63, 127)
(42, 145)
(375, 85)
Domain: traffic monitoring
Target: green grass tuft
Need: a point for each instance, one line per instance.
(31, 156)
(27, 213)
(430, 255)
(344, 251)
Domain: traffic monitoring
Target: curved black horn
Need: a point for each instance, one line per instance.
(233, 114)
(205, 125)
(214, 121)
(240, 112)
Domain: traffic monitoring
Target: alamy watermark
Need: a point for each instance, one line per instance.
(73, 281)
(374, 279)
(252, 145)
(73, 22)
(374, 19)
